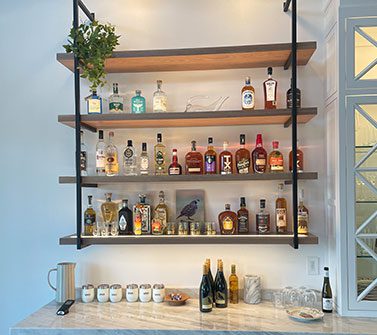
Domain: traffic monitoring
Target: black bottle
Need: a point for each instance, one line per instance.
(221, 287)
(125, 222)
(327, 300)
(205, 292)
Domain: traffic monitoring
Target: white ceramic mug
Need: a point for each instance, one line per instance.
(115, 293)
(103, 293)
(158, 292)
(132, 293)
(145, 293)
(87, 293)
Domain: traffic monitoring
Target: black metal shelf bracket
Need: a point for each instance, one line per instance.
(286, 5)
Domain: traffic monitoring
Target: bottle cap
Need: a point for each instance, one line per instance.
(269, 70)
(81, 132)
(144, 146)
(174, 150)
(111, 134)
(125, 201)
(205, 268)
(129, 143)
(210, 140)
(100, 134)
(259, 138)
(227, 207)
(108, 195)
(159, 137)
(161, 194)
(326, 268)
(90, 199)
(138, 92)
(159, 82)
(275, 144)
(242, 201)
(193, 145)
(233, 268)
(247, 80)
(225, 144)
(262, 203)
(242, 139)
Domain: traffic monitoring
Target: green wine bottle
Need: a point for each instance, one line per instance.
(205, 292)
(327, 300)
(221, 287)
(208, 263)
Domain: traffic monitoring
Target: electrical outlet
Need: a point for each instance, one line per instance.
(312, 265)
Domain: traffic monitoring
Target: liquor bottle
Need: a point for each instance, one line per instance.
(111, 153)
(243, 218)
(205, 292)
(160, 99)
(159, 156)
(115, 101)
(221, 287)
(247, 95)
(281, 211)
(129, 160)
(302, 215)
(83, 156)
(144, 159)
(109, 211)
(210, 158)
(142, 212)
(327, 300)
(89, 218)
(226, 160)
(175, 168)
(275, 158)
(263, 218)
(259, 156)
(210, 277)
(290, 97)
(242, 157)
(228, 221)
(138, 103)
(270, 91)
(194, 160)
(137, 223)
(94, 103)
(233, 286)
(125, 219)
(100, 154)
(300, 160)
(161, 214)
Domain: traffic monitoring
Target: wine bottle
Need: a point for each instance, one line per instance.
(327, 301)
(221, 287)
(208, 263)
(233, 286)
(205, 292)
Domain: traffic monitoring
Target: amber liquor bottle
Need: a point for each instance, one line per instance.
(300, 160)
(228, 221)
(281, 211)
(247, 95)
(194, 160)
(210, 158)
(226, 160)
(270, 91)
(243, 218)
(233, 286)
(175, 168)
(263, 218)
(302, 215)
(259, 156)
(275, 158)
(242, 157)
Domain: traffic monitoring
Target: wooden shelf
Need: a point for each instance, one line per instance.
(212, 58)
(94, 181)
(192, 119)
(188, 239)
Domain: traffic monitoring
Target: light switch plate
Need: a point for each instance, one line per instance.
(312, 265)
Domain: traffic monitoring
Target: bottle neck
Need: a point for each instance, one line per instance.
(175, 157)
(125, 203)
(233, 271)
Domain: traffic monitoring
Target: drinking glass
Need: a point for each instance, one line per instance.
(183, 228)
(285, 292)
(279, 299)
(294, 298)
(309, 299)
(210, 228)
(171, 228)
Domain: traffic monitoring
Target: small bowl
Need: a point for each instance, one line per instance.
(173, 302)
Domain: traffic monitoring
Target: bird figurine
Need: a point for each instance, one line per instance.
(189, 210)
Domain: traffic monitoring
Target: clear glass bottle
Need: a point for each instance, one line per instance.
(160, 99)
(94, 103)
(89, 218)
(210, 158)
(125, 219)
(109, 211)
(233, 286)
(129, 160)
(302, 215)
(281, 211)
(116, 101)
(263, 218)
(175, 168)
(161, 214)
(142, 216)
(111, 153)
(275, 158)
(138, 103)
(83, 156)
(144, 160)
(100, 154)
(159, 156)
(226, 160)
(270, 91)
(248, 95)
(194, 160)
(242, 157)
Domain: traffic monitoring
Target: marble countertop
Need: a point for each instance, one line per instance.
(152, 318)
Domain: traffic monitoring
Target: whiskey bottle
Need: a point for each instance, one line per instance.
(270, 91)
(194, 160)
(247, 95)
(259, 156)
(275, 158)
(89, 218)
(160, 99)
(228, 221)
(144, 160)
(94, 103)
(233, 286)
(109, 211)
(100, 154)
(111, 153)
(300, 160)
(138, 103)
(221, 287)
(161, 214)
(129, 160)
(210, 158)
(125, 219)
(263, 218)
(226, 160)
(142, 212)
(115, 101)
(205, 292)
(281, 211)
(83, 156)
(175, 168)
(242, 157)
(243, 218)
(302, 216)
(327, 299)
(159, 156)
(290, 97)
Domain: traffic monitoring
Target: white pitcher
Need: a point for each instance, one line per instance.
(65, 281)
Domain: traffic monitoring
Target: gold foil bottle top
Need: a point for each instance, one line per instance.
(205, 269)
(233, 269)
(220, 264)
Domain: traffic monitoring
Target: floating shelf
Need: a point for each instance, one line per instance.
(93, 181)
(190, 119)
(189, 239)
(212, 58)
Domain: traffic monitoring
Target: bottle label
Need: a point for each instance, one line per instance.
(210, 163)
(111, 165)
(137, 223)
(156, 226)
(100, 159)
(220, 298)
(161, 214)
(228, 223)
(243, 165)
(94, 106)
(243, 224)
(144, 165)
(302, 219)
(144, 213)
(248, 99)
(83, 161)
(226, 164)
(290, 100)
(159, 158)
(270, 90)
(174, 171)
(138, 105)
(116, 107)
(281, 217)
(122, 223)
(160, 103)
(276, 163)
(194, 169)
(90, 220)
(327, 304)
(206, 305)
(262, 223)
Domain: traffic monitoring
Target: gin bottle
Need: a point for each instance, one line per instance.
(159, 156)
(111, 153)
(115, 101)
(129, 160)
(83, 156)
(138, 103)
(94, 103)
(159, 99)
(144, 160)
(100, 154)
(263, 218)
(89, 218)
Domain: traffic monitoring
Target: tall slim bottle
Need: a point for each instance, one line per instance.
(210, 158)
(233, 286)
(259, 156)
(327, 300)
(159, 156)
(205, 292)
(221, 287)
(89, 218)
(144, 159)
(281, 211)
(100, 154)
(208, 262)
(111, 153)
(83, 156)
(270, 91)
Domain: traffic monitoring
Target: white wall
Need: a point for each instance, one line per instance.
(36, 210)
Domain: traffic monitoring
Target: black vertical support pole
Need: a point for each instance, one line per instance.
(77, 132)
(294, 124)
